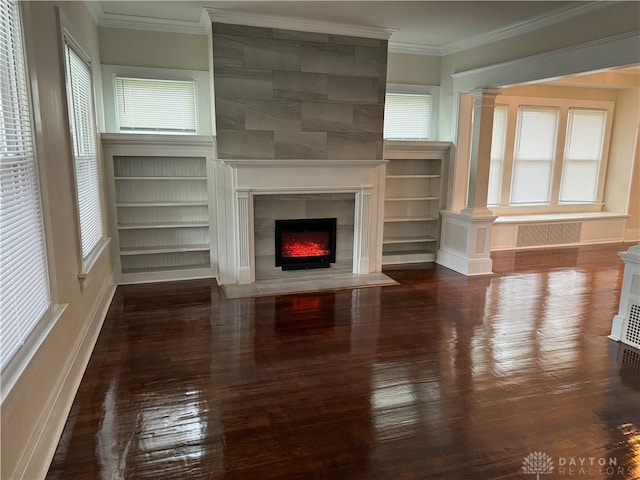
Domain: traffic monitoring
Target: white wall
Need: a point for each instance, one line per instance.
(413, 69)
(145, 48)
(632, 233)
(35, 409)
(621, 188)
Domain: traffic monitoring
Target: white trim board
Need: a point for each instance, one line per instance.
(42, 445)
(219, 15)
(601, 54)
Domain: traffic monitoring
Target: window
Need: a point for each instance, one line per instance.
(85, 149)
(197, 108)
(534, 155)
(407, 116)
(583, 154)
(548, 154)
(498, 141)
(154, 105)
(24, 289)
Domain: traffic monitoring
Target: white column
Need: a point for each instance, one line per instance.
(361, 232)
(484, 102)
(630, 289)
(245, 237)
(465, 237)
(225, 223)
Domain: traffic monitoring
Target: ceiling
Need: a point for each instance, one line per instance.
(431, 23)
(420, 26)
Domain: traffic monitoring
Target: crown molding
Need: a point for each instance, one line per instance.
(547, 19)
(205, 20)
(112, 20)
(209, 15)
(414, 48)
(298, 24)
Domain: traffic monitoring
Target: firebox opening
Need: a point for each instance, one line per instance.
(305, 243)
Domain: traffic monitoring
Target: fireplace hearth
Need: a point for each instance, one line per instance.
(305, 243)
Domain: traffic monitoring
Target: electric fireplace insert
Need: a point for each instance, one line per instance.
(305, 243)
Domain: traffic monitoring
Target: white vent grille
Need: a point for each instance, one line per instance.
(631, 327)
(548, 234)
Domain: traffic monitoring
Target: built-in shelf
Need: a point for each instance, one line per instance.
(407, 239)
(426, 218)
(131, 271)
(199, 179)
(160, 207)
(411, 176)
(164, 249)
(409, 199)
(162, 204)
(142, 226)
(413, 199)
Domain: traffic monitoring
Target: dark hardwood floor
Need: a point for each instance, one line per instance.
(441, 377)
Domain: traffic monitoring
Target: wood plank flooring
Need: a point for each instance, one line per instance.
(441, 377)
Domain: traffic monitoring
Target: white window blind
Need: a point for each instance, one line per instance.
(85, 148)
(582, 155)
(155, 105)
(24, 282)
(498, 140)
(534, 155)
(407, 116)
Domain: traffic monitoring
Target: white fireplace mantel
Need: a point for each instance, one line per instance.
(278, 162)
(239, 180)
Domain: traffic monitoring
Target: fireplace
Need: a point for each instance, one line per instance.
(305, 243)
(249, 240)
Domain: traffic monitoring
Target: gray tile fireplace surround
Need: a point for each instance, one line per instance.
(269, 208)
(282, 94)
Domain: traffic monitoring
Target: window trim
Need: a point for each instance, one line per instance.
(204, 105)
(413, 89)
(67, 35)
(599, 160)
(563, 104)
(157, 131)
(15, 367)
(551, 162)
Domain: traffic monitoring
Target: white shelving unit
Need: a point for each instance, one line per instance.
(160, 206)
(414, 195)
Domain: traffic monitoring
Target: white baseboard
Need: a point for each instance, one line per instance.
(464, 265)
(631, 235)
(42, 446)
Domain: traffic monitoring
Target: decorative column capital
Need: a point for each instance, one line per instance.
(485, 96)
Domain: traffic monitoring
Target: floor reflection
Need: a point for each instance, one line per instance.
(444, 376)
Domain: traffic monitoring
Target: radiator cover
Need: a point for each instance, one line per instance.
(549, 234)
(631, 327)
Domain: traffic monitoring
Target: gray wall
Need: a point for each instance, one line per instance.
(295, 95)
